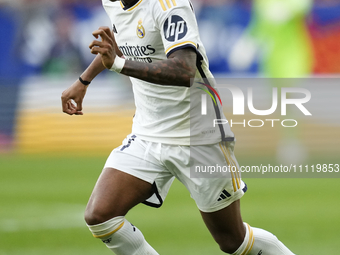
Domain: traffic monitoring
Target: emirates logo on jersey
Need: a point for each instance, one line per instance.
(140, 29)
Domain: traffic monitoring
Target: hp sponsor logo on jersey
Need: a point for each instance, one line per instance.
(175, 28)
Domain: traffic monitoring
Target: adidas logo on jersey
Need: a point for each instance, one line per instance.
(224, 195)
(166, 5)
(114, 29)
(260, 252)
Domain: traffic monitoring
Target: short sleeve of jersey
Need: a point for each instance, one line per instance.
(177, 24)
(108, 7)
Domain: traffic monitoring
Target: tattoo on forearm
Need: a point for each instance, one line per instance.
(177, 70)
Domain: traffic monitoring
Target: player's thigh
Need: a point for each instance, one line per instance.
(226, 225)
(212, 176)
(217, 192)
(131, 175)
(114, 194)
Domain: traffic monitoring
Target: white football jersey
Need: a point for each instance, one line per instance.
(149, 31)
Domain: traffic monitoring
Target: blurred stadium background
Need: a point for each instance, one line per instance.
(49, 162)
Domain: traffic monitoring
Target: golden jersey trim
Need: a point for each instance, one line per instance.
(168, 4)
(133, 7)
(180, 44)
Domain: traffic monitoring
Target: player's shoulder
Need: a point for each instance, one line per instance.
(165, 6)
(108, 3)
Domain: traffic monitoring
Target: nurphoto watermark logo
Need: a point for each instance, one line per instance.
(289, 126)
(281, 97)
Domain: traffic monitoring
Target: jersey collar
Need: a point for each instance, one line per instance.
(131, 6)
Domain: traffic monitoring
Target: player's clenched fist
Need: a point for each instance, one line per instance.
(75, 93)
(107, 47)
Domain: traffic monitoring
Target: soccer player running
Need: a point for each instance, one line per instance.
(157, 45)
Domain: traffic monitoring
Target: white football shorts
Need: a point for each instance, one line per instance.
(159, 164)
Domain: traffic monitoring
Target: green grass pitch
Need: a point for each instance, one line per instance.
(42, 201)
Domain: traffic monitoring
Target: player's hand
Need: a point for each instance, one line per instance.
(107, 47)
(76, 93)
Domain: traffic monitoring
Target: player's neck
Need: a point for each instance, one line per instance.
(129, 2)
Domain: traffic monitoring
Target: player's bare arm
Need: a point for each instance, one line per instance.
(178, 69)
(77, 90)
